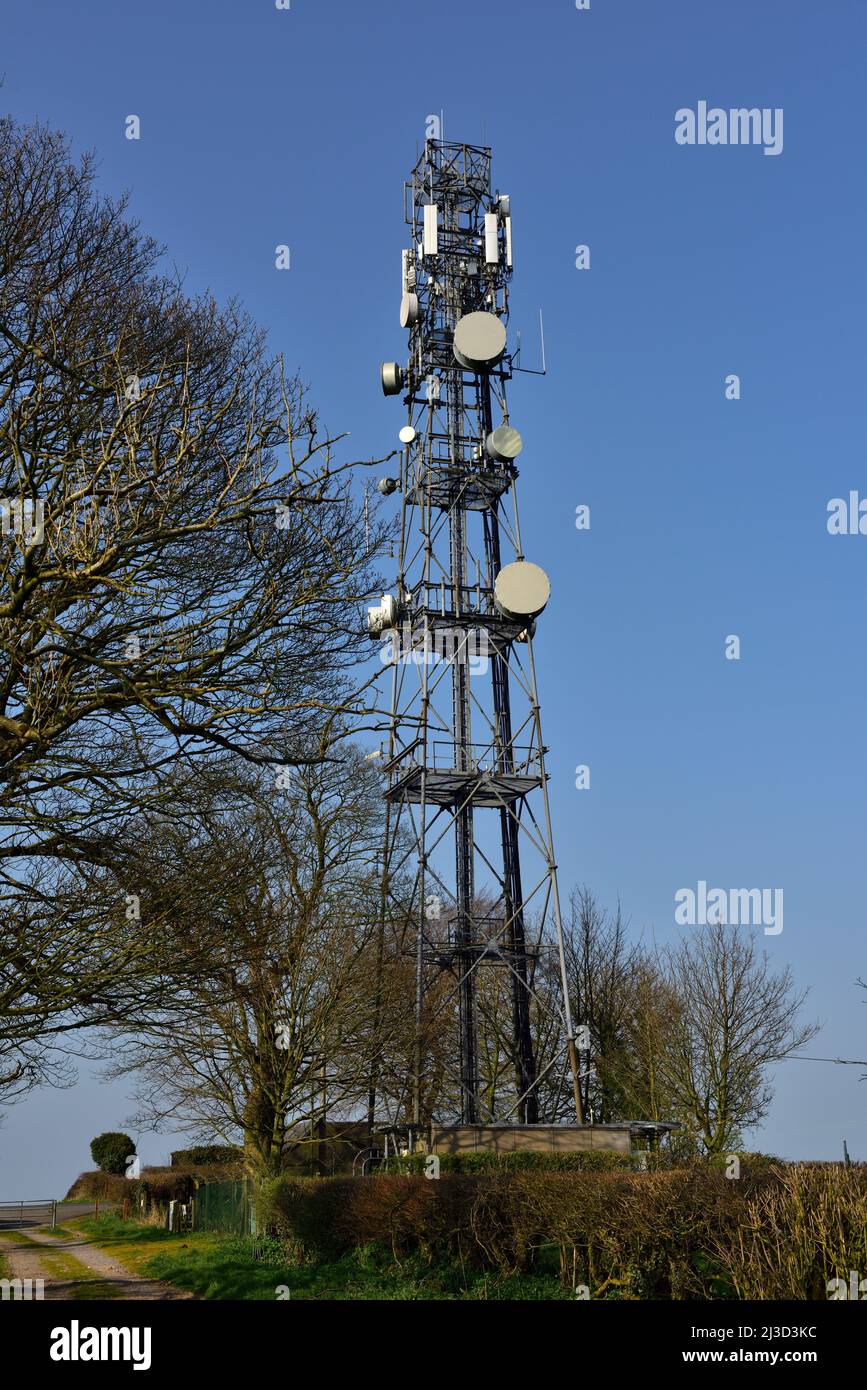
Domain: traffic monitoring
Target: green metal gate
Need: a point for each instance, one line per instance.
(225, 1207)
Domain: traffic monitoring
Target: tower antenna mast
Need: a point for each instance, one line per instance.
(469, 820)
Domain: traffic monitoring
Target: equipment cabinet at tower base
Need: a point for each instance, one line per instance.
(454, 1139)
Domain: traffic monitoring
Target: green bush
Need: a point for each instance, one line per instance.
(111, 1150)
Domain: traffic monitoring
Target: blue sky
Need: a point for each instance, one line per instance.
(708, 516)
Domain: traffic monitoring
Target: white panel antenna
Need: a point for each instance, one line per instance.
(492, 247)
(431, 212)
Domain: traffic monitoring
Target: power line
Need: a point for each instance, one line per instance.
(839, 1061)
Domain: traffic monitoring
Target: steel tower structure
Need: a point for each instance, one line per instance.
(465, 763)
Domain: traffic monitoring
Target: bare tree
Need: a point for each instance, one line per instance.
(72, 956)
(186, 587)
(182, 557)
(734, 1017)
(268, 900)
(603, 969)
(685, 1034)
(642, 1075)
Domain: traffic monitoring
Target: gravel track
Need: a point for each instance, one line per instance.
(25, 1262)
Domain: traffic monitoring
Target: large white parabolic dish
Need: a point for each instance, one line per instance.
(521, 590)
(479, 342)
(504, 444)
(409, 310)
(391, 377)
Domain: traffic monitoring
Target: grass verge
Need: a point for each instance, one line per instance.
(242, 1269)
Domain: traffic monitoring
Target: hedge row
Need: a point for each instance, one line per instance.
(108, 1187)
(599, 1161)
(529, 1161)
(160, 1185)
(206, 1154)
(772, 1233)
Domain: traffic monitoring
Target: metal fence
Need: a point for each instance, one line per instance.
(226, 1207)
(38, 1213)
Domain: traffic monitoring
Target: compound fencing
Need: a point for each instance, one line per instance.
(225, 1207)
